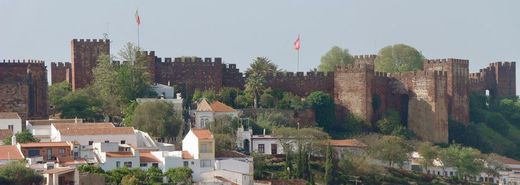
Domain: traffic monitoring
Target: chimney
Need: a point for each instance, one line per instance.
(264, 131)
(13, 140)
(169, 83)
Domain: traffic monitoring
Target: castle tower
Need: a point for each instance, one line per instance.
(61, 72)
(457, 85)
(84, 58)
(353, 89)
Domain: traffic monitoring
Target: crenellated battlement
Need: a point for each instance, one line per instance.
(207, 60)
(355, 68)
(308, 75)
(96, 41)
(23, 61)
(447, 60)
(414, 74)
(367, 59)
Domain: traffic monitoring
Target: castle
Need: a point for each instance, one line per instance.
(425, 98)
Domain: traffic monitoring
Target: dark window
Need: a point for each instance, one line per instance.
(49, 154)
(118, 164)
(155, 165)
(107, 141)
(186, 163)
(90, 142)
(128, 164)
(144, 164)
(62, 151)
(34, 152)
(123, 142)
(261, 148)
(10, 127)
(274, 149)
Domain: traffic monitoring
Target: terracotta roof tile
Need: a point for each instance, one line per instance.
(202, 133)
(147, 157)
(507, 160)
(215, 106)
(92, 129)
(49, 121)
(69, 160)
(119, 154)
(5, 133)
(9, 115)
(10, 152)
(45, 144)
(347, 143)
(58, 170)
(229, 154)
(204, 106)
(186, 155)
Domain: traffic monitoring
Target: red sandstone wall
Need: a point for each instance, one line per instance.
(300, 84)
(84, 59)
(61, 72)
(23, 88)
(499, 78)
(353, 89)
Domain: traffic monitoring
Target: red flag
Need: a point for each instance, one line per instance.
(297, 43)
(137, 18)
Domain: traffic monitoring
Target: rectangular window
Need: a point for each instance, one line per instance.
(205, 163)
(107, 141)
(274, 149)
(10, 127)
(118, 164)
(155, 165)
(144, 164)
(62, 151)
(205, 148)
(261, 148)
(90, 143)
(123, 142)
(49, 154)
(34, 152)
(76, 154)
(186, 163)
(128, 164)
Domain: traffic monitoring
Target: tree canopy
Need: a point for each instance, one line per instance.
(335, 56)
(21, 137)
(324, 108)
(157, 118)
(398, 58)
(262, 66)
(16, 173)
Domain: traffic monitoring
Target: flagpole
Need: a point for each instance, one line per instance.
(138, 36)
(298, 54)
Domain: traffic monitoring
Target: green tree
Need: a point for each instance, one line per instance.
(267, 100)
(255, 85)
(129, 180)
(16, 173)
(324, 108)
(81, 104)
(21, 137)
(90, 169)
(291, 101)
(329, 166)
(57, 92)
(243, 101)
(391, 124)
(392, 149)
(335, 56)
(228, 95)
(398, 58)
(262, 66)
(272, 120)
(154, 175)
(468, 161)
(224, 130)
(428, 153)
(156, 118)
(180, 175)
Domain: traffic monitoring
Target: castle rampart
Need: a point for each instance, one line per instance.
(61, 72)
(85, 54)
(499, 79)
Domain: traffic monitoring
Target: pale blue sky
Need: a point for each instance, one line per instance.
(239, 30)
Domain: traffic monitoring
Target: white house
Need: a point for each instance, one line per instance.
(207, 112)
(348, 146)
(200, 144)
(115, 155)
(10, 121)
(88, 133)
(266, 144)
(41, 129)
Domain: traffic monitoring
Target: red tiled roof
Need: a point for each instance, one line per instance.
(215, 106)
(9, 115)
(45, 144)
(119, 154)
(186, 155)
(202, 133)
(507, 160)
(69, 160)
(58, 171)
(92, 129)
(229, 154)
(10, 152)
(147, 157)
(5, 133)
(347, 143)
(49, 121)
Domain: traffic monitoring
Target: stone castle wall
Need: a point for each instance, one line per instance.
(23, 88)
(85, 54)
(498, 78)
(61, 72)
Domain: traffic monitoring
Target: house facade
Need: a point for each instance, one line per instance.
(10, 121)
(208, 112)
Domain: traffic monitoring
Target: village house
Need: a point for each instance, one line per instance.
(9, 153)
(209, 112)
(10, 121)
(86, 134)
(41, 129)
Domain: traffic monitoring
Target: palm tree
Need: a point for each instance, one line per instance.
(262, 66)
(255, 84)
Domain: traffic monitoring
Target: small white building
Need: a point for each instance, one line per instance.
(200, 144)
(115, 155)
(266, 144)
(86, 134)
(208, 112)
(10, 121)
(41, 129)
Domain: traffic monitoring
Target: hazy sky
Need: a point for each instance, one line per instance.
(239, 30)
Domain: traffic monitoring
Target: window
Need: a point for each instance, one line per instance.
(62, 151)
(123, 142)
(34, 152)
(76, 154)
(118, 164)
(186, 163)
(144, 164)
(205, 163)
(107, 141)
(128, 164)
(90, 143)
(274, 149)
(155, 165)
(261, 148)
(10, 127)
(49, 154)
(205, 148)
